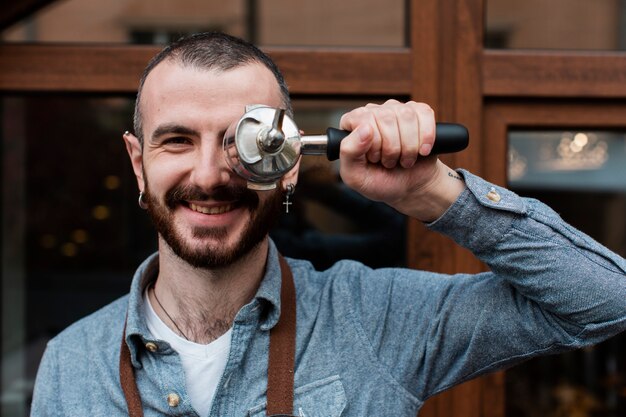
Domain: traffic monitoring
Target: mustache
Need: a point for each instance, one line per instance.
(241, 194)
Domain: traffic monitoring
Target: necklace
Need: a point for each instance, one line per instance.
(168, 314)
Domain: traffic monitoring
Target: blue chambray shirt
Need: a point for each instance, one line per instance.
(369, 342)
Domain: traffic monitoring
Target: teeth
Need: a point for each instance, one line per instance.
(210, 210)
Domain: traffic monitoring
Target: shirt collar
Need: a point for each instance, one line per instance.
(269, 290)
(137, 333)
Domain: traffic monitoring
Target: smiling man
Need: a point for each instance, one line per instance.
(217, 313)
(212, 229)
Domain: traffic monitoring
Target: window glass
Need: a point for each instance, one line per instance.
(582, 176)
(556, 24)
(276, 22)
(73, 234)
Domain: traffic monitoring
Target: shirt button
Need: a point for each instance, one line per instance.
(152, 347)
(493, 195)
(173, 400)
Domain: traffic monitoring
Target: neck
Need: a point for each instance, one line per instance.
(202, 303)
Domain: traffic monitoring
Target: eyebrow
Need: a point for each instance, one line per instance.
(170, 128)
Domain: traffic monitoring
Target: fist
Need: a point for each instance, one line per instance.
(386, 156)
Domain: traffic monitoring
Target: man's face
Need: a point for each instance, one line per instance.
(200, 207)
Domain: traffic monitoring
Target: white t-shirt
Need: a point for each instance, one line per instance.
(203, 364)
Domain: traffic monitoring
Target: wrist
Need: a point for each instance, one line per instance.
(432, 199)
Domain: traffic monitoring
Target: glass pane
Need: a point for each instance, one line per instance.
(556, 24)
(276, 22)
(73, 235)
(332, 23)
(581, 175)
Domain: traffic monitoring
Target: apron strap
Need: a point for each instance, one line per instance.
(282, 352)
(281, 357)
(127, 379)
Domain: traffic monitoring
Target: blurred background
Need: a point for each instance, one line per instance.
(540, 84)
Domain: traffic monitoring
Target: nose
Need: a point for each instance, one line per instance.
(210, 169)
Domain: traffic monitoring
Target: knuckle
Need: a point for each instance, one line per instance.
(427, 110)
(387, 116)
(406, 113)
(421, 107)
(353, 117)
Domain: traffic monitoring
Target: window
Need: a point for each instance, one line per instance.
(581, 174)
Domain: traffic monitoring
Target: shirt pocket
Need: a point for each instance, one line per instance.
(323, 398)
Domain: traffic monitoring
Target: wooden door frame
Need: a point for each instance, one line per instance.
(447, 70)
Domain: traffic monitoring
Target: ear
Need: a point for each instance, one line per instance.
(291, 177)
(133, 146)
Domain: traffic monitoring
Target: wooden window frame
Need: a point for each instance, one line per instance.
(501, 118)
(117, 68)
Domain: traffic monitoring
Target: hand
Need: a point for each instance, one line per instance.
(387, 158)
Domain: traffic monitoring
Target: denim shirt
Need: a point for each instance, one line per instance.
(369, 342)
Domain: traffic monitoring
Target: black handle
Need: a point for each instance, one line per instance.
(450, 137)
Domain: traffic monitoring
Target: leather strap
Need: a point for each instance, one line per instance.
(281, 357)
(282, 349)
(127, 379)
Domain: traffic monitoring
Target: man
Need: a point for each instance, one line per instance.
(198, 319)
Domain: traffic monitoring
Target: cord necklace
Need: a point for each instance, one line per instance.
(168, 314)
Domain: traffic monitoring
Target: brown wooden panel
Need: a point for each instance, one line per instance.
(447, 75)
(353, 72)
(79, 68)
(554, 74)
(99, 68)
(493, 405)
(447, 54)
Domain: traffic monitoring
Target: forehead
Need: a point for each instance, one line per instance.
(175, 91)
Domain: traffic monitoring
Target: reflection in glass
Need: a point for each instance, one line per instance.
(73, 235)
(276, 22)
(582, 176)
(556, 24)
(567, 160)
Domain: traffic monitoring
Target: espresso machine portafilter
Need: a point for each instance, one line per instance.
(266, 143)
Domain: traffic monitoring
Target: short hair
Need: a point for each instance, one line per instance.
(210, 51)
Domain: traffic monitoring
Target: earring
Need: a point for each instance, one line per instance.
(290, 190)
(141, 202)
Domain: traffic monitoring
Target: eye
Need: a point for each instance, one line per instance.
(176, 140)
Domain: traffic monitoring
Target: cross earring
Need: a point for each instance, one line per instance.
(290, 190)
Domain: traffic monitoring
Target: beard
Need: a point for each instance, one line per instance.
(263, 216)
